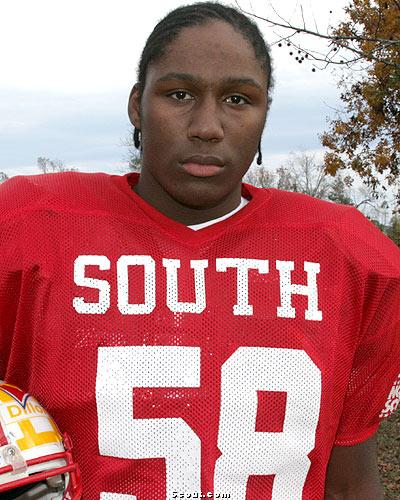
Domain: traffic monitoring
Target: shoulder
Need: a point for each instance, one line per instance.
(342, 227)
(293, 208)
(59, 183)
(28, 193)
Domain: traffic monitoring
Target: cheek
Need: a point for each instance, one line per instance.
(158, 120)
(160, 135)
(162, 146)
(153, 124)
(249, 125)
(258, 123)
(248, 136)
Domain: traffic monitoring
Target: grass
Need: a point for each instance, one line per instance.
(389, 456)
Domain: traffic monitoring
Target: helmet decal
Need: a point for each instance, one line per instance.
(20, 396)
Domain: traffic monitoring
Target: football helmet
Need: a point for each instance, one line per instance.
(35, 459)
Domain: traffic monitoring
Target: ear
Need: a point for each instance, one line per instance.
(134, 106)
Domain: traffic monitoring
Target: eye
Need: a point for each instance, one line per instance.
(236, 99)
(181, 95)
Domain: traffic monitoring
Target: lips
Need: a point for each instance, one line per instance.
(202, 166)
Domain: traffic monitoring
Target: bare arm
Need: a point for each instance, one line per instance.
(353, 473)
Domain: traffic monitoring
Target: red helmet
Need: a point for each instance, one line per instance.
(34, 456)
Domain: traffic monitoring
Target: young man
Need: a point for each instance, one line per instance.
(193, 335)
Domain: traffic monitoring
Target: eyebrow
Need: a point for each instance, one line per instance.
(232, 80)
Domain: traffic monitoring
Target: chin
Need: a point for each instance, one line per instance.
(200, 197)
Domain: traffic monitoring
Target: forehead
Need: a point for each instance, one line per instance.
(213, 50)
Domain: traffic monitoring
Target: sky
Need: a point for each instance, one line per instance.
(67, 68)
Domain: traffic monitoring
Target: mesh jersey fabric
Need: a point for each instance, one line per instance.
(227, 360)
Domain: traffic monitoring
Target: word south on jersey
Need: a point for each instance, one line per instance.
(141, 276)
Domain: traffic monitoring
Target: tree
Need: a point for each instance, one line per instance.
(339, 190)
(135, 162)
(3, 177)
(261, 177)
(286, 179)
(366, 135)
(132, 157)
(300, 172)
(309, 176)
(47, 166)
(393, 231)
(347, 44)
(375, 206)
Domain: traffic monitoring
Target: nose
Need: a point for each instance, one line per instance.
(205, 121)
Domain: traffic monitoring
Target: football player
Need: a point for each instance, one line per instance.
(198, 337)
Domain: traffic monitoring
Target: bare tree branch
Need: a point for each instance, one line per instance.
(340, 41)
(302, 15)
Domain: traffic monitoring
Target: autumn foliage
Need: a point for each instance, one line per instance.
(365, 136)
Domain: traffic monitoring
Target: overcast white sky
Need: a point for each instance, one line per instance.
(67, 68)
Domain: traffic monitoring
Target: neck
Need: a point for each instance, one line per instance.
(150, 191)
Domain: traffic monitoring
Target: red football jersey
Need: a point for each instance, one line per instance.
(227, 361)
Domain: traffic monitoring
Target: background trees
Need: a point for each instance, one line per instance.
(3, 177)
(303, 173)
(48, 166)
(364, 136)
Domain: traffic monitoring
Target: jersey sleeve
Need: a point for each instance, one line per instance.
(374, 383)
(10, 282)
(16, 196)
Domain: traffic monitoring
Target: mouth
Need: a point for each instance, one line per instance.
(202, 166)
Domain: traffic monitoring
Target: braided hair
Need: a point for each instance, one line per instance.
(194, 15)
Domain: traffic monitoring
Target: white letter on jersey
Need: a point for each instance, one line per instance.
(149, 284)
(287, 289)
(119, 371)
(242, 308)
(103, 286)
(172, 266)
(246, 451)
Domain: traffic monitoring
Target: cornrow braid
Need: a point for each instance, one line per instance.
(136, 138)
(197, 14)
